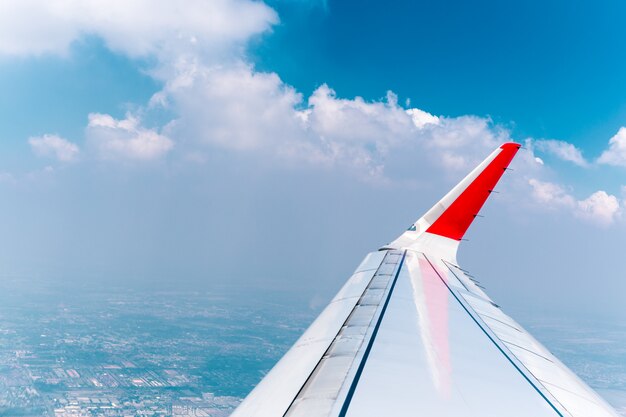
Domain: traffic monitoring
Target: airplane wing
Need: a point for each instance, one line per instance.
(411, 333)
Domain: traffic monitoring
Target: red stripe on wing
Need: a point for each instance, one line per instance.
(456, 219)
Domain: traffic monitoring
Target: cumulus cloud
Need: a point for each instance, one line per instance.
(54, 146)
(138, 28)
(562, 150)
(240, 109)
(550, 194)
(356, 120)
(216, 99)
(421, 118)
(599, 207)
(125, 139)
(616, 153)
(235, 107)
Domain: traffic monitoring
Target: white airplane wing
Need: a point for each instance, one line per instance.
(412, 334)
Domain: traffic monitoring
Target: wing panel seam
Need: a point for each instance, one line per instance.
(357, 376)
(335, 337)
(496, 344)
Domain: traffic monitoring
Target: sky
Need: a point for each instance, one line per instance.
(199, 143)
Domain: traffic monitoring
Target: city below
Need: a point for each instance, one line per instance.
(117, 352)
(106, 350)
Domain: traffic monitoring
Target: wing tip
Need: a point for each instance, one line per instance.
(510, 145)
(455, 212)
(456, 219)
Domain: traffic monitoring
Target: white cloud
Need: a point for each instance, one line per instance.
(616, 154)
(54, 146)
(236, 108)
(563, 150)
(136, 28)
(239, 109)
(357, 121)
(551, 195)
(599, 207)
(218, 100)
(390, 135)
(421, 118)
(217, 97)
(125, 139)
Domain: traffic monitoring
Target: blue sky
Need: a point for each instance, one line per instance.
(550, 68)
(274, 144)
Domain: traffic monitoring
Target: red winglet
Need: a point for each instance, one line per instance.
(456, 219)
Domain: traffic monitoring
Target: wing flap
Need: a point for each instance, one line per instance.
(277, 391)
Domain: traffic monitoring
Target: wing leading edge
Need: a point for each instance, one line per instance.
(411, 332)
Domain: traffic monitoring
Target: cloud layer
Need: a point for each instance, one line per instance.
(616, 153)
(54, 146)
(599, 207)
(562, 150)
(218, 100)
(141, 28)
(125, 139)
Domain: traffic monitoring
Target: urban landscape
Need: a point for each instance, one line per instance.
(121, 352)
(95, 349)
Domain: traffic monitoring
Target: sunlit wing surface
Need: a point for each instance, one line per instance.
(411, 333)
